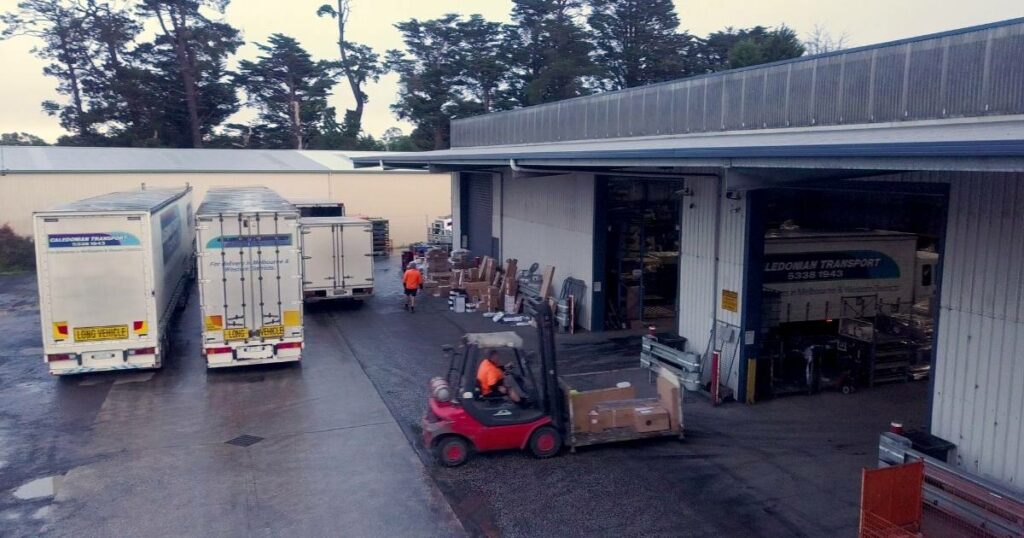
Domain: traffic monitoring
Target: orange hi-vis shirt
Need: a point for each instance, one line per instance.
(489, 375)
(412, 279)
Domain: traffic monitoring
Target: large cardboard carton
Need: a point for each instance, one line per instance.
(584, 402)
(651, 419)
(621, 413)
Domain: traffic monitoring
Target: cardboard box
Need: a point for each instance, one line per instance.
(584, 402)
(622, 413)
(651, 419)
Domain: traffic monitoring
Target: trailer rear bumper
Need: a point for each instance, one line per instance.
(73, 369)
(226, 357)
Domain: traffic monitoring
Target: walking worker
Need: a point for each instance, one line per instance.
(412, 280)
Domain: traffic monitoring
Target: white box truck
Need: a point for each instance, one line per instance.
(312, 207)
(112, 271)
(337, 258)
(250, 277)
(823, 275)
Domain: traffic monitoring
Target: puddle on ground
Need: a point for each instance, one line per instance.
(10, 515)
(31, 352)
(140, 377)
(38, 488)
(43, 513)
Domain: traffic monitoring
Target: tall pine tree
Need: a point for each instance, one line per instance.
(637, 42)
(289, 89)
(554, 51)
(198, 48)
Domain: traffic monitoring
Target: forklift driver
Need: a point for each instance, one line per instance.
(491, 378)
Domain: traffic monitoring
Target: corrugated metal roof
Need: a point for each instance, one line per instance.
(968, 72)
(147, 200)
(232, 200)
(56, 159)
(975, 137)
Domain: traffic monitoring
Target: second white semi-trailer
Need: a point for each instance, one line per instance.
(249, 263)
(112, 271)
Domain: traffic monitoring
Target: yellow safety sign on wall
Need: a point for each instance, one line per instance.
(730, 301)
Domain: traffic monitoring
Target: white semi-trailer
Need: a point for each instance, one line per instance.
(818, 276)
(250, 277)
(112, 271)
(337, 258)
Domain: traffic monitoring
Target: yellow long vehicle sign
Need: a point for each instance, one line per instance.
(94, 334)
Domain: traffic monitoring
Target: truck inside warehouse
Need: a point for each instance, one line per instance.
(112, 272)
(848, 281)
(337, 258)
(249, 263)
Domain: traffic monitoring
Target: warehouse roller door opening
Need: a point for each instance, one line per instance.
(641, 263)
(849, 281)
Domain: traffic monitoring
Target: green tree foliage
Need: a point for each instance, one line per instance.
(289, 89)
(21, 139)
(734, 48)
(195, 49)
(16, 252)
(638, 42)
(61, 29)
(430, 72)
(553, 50)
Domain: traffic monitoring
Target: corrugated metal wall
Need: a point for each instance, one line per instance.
(456, 192)
(978, 399)
(698, 293)
(979, 379)
(972, 72)
(550, 221)
(408, 200)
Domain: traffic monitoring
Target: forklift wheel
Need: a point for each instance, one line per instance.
(545, 442)
(452, 451)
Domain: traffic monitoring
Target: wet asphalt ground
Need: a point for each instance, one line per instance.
(144, 453)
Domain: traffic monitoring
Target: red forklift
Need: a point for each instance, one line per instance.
(460, 420)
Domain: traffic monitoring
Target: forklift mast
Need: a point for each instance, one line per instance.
(553, 401)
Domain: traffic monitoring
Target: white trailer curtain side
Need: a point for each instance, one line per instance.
(112, 272)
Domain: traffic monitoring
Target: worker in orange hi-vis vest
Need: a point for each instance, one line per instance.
(412, 281)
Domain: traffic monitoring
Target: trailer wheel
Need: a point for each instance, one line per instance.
(848, 389)
(451, 451)
(545, 442)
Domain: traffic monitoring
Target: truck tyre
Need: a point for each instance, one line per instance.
(451, 451)
(545, 442)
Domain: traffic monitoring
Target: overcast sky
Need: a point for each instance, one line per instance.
(24, 87)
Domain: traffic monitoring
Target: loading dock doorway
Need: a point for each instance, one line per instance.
(641, 264)
(478, 208)
(849, 281)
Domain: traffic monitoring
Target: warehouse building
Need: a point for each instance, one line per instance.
(37, 178)
(902, 162)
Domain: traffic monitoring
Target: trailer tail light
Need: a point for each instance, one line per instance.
(216, 350)
(60, 357)
(60, 330)
(288, 345)
(143, 351)
(141, 328)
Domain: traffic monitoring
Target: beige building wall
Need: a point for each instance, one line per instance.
(408, 200)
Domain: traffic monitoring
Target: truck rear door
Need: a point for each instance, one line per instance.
(249, 276)
(97, 283)
(355, 242)
(321, 266)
